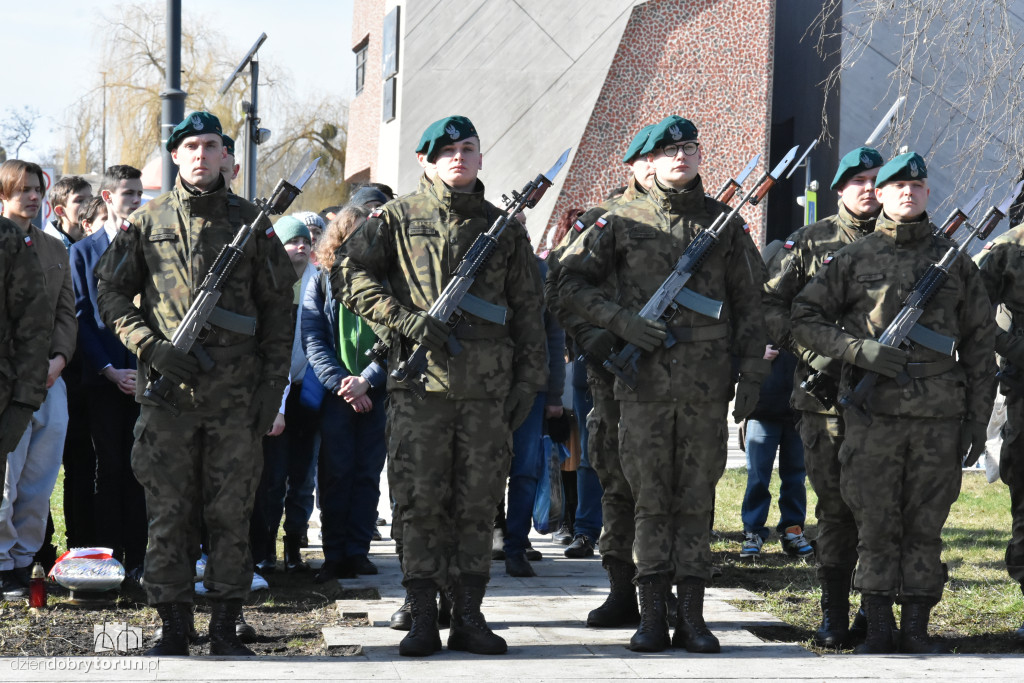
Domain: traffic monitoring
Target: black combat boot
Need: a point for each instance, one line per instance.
(190, 627)
(423, 639)
(173, 639)
(619, 608)
(691, 630)
(401, 620)
(1019, 633)
(652, 633)
(879, 639)
(835, 607)
(914, 638)
(293, 561)
(469, 631)
(444, 608)
(245, 632)
(224, 640)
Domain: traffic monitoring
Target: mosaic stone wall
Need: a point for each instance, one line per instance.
(364, 111)
(708, 60)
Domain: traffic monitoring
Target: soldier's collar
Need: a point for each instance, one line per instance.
(458, 202)
(194, 191)
(679, 201)
(903, 233)
(859, 224)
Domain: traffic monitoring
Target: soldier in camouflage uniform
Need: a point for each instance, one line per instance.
(901, 458)
(1001, 263)
(204, 462)
(25, 328)
(821, 428)
(672, 431)
(617, 504)
(450, 450)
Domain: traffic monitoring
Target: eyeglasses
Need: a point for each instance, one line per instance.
(689, 149)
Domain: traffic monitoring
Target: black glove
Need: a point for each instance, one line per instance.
(174, 364)
(597, 343)
(973, 436)
(518, 404)
(421, 328)
(13, 423)
(641, 332)
(266, 404)
(886, 360)
(747, 394)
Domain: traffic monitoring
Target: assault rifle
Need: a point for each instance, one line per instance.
(455, 299)
(820, 385)
(905, 327)
(204, 311)
(673, 293)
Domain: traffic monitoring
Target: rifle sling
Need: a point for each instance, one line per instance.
(467, 331)
(699, 334)
(922, 370)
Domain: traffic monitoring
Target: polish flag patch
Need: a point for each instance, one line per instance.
(578, 225)
(746, 228)
(125, 225)
(789, 244)
(270, 231)
(28, 240)
(988, 246)
(826, 260)
(601, 222)
(376, 212)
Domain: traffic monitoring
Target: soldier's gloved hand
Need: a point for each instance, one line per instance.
(639, 331)
(826, 365)
(973, 436)
(1013, 351)
(266, 403)
(886, 360)
(172, 363)
(13, 423)
(597, 343)
(421, 328)
(747, 394)
(518, 404)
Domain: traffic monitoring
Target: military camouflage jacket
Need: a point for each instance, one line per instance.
(859, 292)
(164, 253)
(790, 269)
(26, 320)
(1001, 263)
(640, 244)
(414, 244)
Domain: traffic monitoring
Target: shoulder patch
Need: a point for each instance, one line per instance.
(270, 232)
(28, 240)
(125, 224)
(746, 228)
(988, 245)
(601, 222)
(789, 244)
(826, 260)
(376, 212)
(578, 226)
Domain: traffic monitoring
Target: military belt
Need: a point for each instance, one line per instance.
(218, 353)
(699, 334)
(922, 370)
(468, 331)
(233, 322)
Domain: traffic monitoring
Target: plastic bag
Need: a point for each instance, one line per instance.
(547, 505)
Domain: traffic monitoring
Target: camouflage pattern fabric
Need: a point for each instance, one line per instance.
(27, 320)
(790, 270)
(207, 459)
(449, 459)
(640, 244)
(673, 454)
(900, 476)
(836, 542)
(617, 504)
(415, 243)
(1001, 263)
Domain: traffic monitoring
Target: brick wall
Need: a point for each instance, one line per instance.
(364, 111)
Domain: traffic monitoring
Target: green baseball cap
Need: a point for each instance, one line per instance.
(909, 166)
(855, 161)
(444, 132)
(639, 140)
(669, 131)
(196, 123)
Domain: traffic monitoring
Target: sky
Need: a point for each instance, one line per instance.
(310, 38)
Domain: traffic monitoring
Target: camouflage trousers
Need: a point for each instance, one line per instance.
(199, 465)
(673, 455)
(900, 476)
(617, 503)
(1011, 471)
(449, 461)
(836, 544)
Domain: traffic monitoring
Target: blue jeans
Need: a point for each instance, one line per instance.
(527, 462)
(588, 486)
(764, 438)
(352, 453)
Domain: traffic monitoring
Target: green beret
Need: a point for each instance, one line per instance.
(444, 132)
(229, 144)
(196, 123)
(290, 227)
(639, 140)
(669, 131)
(855, 161)
(909, 166)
